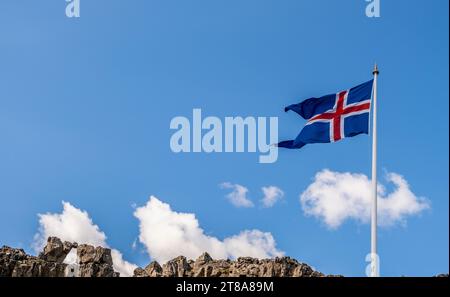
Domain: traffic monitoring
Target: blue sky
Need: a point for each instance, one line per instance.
(85, 107)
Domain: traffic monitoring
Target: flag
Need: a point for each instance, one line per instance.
(333, 117)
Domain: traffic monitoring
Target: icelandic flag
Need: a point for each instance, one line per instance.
(333, 117)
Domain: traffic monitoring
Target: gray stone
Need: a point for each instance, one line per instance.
(151, 270)
(85, 253)
(103, 256)
(178, 266)
(55, 250)
(92, 262)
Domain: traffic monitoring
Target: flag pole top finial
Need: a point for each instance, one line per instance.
(375, 70)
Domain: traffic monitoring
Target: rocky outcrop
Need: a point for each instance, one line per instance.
(91, 261)
(205, 266)
(151, 270)
(15, 262)
(56, 250)
(97, 262)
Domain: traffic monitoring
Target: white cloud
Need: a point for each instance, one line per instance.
(238, 195)
(167, 234)
(252, 243)
(334, 197)
(272, 195)
(120, 265)
(75, 225)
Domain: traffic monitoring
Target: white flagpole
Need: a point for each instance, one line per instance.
(374, 256)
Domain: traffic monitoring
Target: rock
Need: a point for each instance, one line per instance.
(97, 270)
(139, 272)
(16, 263)
(302, 270)
(206, 266)
(85, 253)
(103, 256)
(178, 266)
(152, 270)
(9, 257)
(203, 259)
(92, 262)
(56, 250)
(38, 268)
(217, 268)
(95, 261)
(90, 254)
(245, 267)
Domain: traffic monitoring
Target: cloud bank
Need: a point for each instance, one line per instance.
(75, 225)
(167, 234)
(335, 197)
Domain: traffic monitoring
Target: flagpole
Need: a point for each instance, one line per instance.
(374, 256)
